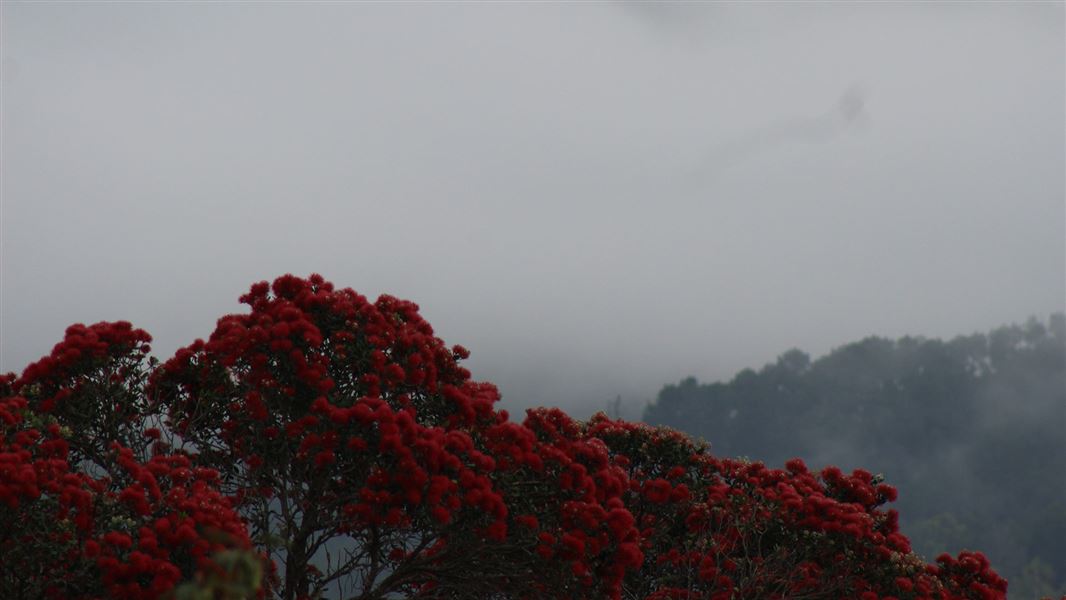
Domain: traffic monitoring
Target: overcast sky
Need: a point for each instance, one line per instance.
(596, 198)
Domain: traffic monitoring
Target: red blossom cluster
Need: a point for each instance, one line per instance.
(92, 383)
(725, 528)
(345, 442)
(125, 529)
(350, 417)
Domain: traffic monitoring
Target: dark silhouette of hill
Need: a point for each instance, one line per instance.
(971, 430)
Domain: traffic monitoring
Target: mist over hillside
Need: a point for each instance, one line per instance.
(969, 429)
(598, 199)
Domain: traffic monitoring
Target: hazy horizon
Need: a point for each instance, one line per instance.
(595, 199)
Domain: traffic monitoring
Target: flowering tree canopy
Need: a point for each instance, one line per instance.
(340, 447)
(91, 504)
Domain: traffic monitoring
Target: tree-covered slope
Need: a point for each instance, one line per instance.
(973, 431)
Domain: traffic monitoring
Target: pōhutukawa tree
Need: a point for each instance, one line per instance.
(322, 444)
(364, 458)
(91, 504)
(725, 528)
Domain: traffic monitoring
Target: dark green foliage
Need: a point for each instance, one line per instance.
(973, 431)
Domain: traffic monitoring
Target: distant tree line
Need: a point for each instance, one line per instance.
(971, 430)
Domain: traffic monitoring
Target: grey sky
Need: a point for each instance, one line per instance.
(596, 199)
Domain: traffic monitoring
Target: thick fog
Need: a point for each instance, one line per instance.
(596, 199)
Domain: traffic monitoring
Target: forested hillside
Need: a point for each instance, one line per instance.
(971, 430)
